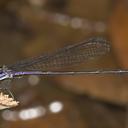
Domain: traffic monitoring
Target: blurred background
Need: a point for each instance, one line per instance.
(32, 27)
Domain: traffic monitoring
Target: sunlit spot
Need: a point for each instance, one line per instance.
(33, 80)
(10, 115)
(76, 23)
(25, 114)
(56, 106)
(32, 113)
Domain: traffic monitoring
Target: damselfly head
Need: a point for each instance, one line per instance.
(5, 73)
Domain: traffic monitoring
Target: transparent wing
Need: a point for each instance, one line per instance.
(70, 55)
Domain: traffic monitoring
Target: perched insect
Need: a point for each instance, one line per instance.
(69, 55)
(45, 64)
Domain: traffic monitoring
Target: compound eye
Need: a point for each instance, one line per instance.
(2, 73)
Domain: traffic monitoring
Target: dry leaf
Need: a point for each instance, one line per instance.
(6, 101)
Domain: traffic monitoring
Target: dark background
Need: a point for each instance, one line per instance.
(32, 27)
